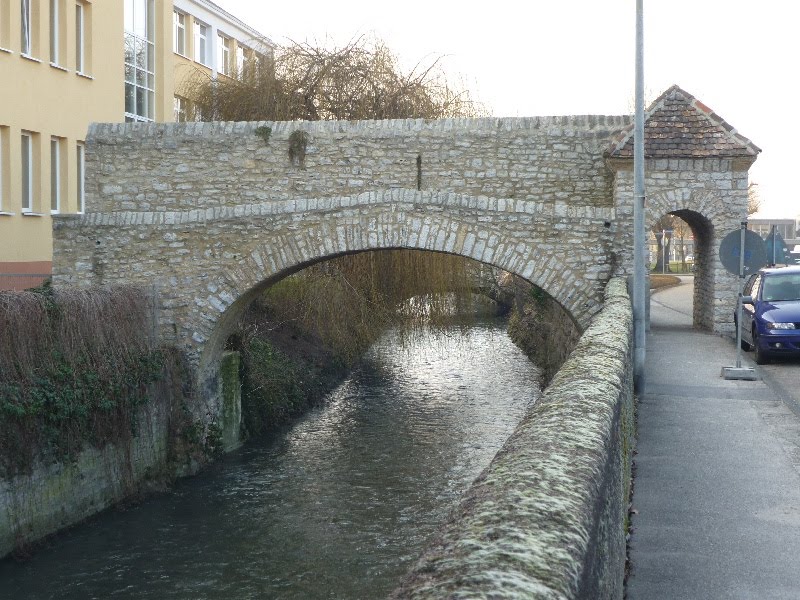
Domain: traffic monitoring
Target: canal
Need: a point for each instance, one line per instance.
(340, 505)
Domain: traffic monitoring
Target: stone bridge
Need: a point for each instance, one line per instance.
(209, 214)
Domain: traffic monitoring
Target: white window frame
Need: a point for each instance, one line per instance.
(26, 171)
(55, 175)
(55, 38)
(140, 61)
(80, 162)
(181, 109)
(201, 31)
(179, 32)
(241, 59)
(2, 166)
(80, 38)
(224, 54)
(26, 43)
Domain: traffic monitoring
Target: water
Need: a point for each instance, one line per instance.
(338, 506)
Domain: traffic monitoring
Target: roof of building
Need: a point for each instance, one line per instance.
(678, 125)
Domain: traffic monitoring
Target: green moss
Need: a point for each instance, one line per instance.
(264, 132)
(543, 330)
(534, 524)
(70, 404)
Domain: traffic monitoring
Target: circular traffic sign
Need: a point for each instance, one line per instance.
(755, 256)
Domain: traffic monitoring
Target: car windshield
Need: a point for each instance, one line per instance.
(778, 287)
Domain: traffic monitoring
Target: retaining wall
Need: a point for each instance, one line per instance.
(57, 495)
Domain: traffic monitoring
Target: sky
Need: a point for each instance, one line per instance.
(571, 57)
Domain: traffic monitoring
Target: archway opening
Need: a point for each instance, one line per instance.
(680, 244)
(298, 334)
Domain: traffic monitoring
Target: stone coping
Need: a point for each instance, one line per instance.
(110, 133)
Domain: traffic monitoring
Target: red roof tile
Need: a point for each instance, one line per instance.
(677, 125)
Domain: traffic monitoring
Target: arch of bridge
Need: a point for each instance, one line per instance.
(268, 241)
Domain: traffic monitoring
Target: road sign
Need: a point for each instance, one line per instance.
(755, 255)
(741, 252)
(776, 249)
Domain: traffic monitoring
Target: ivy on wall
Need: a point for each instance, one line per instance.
(75, 368)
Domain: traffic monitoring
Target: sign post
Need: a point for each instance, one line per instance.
(742, 253)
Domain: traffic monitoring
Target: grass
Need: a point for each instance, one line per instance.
(658, 281)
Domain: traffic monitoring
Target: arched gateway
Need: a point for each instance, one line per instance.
(206, 214)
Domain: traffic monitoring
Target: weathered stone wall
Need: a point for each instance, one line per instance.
(57, 495)
(167, 444)
(547, 517)
(556, 161)
(711, 196)
(209, 213)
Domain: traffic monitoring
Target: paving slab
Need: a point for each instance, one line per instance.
(717, 472)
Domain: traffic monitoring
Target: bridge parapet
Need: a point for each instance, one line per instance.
(179, 166)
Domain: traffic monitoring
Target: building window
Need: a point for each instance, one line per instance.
(181, 109)
(55, 31)
(80, 38)
(26, 29)
(224, 54)
(139, 60)
(179, 32)
(3, 167)
(55, 175)
(240, 61)
(27, 172)
(201, 43)
(80, 162)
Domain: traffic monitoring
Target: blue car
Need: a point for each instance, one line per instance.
(771, 313)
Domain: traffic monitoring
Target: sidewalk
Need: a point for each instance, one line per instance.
(717, 480)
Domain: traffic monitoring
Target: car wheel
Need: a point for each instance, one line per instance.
(761, 356)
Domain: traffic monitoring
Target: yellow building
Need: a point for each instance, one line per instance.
(62, 66)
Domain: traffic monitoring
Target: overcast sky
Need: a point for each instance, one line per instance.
(568, 57)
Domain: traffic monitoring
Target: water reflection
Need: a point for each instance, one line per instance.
(338, 506)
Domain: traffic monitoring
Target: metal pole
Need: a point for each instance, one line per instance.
(639, 274)
(774, 245)
(739, 301)
(663, 251)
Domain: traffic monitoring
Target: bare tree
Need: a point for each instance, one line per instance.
(664, 241)
(361, 80)
(753, 199)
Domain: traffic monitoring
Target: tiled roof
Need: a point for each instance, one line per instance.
(677, 125)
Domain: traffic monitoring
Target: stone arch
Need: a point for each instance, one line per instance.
(699, 209)
(346, 230)
(420, 224)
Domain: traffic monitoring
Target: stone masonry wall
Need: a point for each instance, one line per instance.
(546, 518)
(206, 213)
(57, 495)
(711, 196)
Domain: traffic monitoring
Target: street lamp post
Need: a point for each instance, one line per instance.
(639, 274)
